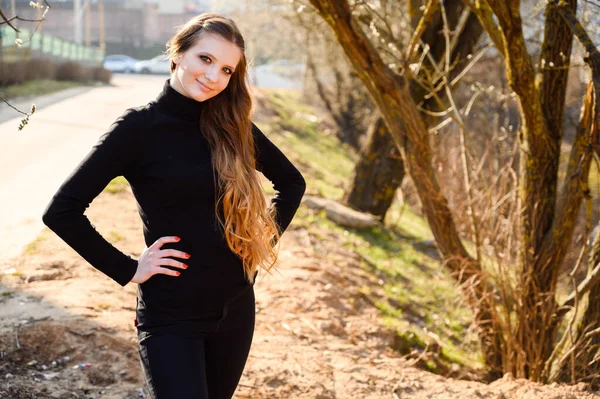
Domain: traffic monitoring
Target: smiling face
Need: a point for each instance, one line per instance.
(204, 69)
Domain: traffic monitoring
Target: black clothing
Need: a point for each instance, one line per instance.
(161, 152)
(199, 360)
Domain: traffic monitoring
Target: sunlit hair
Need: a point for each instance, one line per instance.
(248, 224)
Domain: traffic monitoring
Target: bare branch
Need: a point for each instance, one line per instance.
(593, 56)
(16, 109)
(16, 17)
(591, 280)
(7, 21)
(424, 22)
(486, 17)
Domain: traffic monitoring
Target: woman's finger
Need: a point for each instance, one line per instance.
(163, 240)
(173, 252)
(164, 270)
(172, 262)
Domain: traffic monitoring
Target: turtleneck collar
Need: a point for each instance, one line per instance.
(179, 104)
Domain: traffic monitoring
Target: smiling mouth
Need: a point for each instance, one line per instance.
(205, 86)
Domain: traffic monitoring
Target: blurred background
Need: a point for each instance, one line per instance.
(129, 36)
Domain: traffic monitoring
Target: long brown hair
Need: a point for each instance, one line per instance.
(248, 224)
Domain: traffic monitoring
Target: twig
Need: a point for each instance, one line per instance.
(34, 320)
(18, 327)
(590, 282)
(87, 334)
(308, 323)
(463, 150)
(17, 336)
(425, 20)
(7, 21)
(10, 105)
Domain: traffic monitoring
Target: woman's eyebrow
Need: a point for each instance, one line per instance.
(212, 56)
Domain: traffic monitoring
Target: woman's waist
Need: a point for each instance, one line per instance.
(204, 271)
(188, 297)
(150, 317)
(195, 225)
(192, 241)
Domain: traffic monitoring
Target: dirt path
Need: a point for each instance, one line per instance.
(316, 336)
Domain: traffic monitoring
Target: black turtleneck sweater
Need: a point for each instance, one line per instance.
(161, 152)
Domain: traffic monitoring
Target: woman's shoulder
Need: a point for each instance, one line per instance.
(137, 113)
(137, 118)
(127, 127)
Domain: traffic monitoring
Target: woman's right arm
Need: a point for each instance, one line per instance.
(115, 151)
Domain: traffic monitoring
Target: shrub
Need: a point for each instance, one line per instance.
(102, 75)
(13, 73)
(45, 68)
(40, 68)
(70, 71)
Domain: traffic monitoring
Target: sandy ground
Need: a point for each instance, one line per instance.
(316, 336)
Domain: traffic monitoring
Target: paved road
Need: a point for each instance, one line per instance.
(35, 161)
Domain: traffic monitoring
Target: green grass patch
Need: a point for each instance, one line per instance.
(33, 247)
(114, 237)
(420, 300)
(117, 185)
(408, 223)
(37, 87)
(326, 163)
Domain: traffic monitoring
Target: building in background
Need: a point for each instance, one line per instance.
(139, 28)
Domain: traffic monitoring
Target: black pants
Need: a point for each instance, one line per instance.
(200, 359)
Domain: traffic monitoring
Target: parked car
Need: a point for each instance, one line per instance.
(120, 63)
(159, 64)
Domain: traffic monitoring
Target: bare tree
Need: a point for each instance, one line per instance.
(390, 90)
(523, 338)
(10, 22)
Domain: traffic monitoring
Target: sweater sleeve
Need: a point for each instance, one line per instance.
(110, 157)
(287, 180)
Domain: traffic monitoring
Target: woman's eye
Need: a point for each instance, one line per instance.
(207, 59)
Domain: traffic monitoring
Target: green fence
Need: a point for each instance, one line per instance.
(43, 45)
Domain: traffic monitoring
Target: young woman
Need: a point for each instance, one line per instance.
(191, 158)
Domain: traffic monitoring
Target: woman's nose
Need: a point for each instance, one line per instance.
(212, 75)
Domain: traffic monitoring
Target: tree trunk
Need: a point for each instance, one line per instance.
(369, 190)
(537, 335)
(378, 173)
(587, 366)
(542, 221)
(580, 366)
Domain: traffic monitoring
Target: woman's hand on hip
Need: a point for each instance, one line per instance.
(153, 258)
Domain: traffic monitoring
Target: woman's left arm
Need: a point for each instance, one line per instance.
(287, 180)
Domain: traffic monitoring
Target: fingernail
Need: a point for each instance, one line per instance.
(185, 266)
(188, 256)
(177, 238)
(178, 273)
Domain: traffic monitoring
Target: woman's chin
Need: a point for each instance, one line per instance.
(198, 95)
